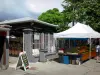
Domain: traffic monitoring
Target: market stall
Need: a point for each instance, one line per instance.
(79, 31)
(33, 36)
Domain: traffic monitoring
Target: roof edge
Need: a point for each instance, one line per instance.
(26, 19)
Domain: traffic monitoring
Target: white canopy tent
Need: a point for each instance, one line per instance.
(79, 31)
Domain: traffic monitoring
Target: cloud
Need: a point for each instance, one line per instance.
(10, 9)
(13, 7)
(39, 6)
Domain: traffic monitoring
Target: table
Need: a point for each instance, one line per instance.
(72, 58)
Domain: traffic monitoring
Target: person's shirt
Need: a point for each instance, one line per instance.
(98, 48)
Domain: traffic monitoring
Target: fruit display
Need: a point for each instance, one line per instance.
(83, 52)
(15, 46)
(78, 49)
(87, 53)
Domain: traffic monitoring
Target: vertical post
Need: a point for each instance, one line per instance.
(7, 49)
(54, 44)
(23, 41)
(90, 49)
(4, 62)
(73, 22)
(69, 43)
(49, 43)
(28, 43)
(5, 56)
(42, 40)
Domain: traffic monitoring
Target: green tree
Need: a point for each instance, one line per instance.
(87, 11)
(53, 16)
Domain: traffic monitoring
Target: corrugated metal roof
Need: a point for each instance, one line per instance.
(4, 29)
(27, 19)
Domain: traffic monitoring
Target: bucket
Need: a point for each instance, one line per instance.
(66, 59)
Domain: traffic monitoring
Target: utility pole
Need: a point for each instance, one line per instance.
(73, 22)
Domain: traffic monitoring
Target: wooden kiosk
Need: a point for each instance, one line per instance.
(4, 49)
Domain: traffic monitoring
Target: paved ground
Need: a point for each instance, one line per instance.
(53, 68)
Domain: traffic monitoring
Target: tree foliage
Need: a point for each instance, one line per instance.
(53, 16)
(87, 11)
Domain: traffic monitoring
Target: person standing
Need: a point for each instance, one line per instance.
(97, 51)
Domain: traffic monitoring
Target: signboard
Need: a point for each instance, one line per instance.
(23, 61)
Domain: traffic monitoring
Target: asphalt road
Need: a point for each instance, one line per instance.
(53, 68)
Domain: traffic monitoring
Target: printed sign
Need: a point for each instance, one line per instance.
(23, 61)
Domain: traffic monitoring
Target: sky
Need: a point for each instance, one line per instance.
(12, 9)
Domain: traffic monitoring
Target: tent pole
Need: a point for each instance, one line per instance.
(90, 49)
(55, 44)
(69, 43)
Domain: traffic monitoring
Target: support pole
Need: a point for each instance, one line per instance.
(69, 43)
(23, 42)
(28, 43)
(90, 49)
